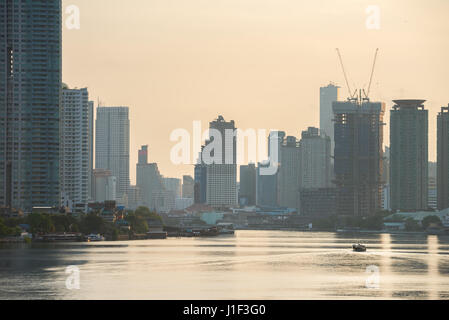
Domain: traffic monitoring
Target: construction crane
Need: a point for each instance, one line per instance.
(344, 73)
(352, 95)
(371, 76)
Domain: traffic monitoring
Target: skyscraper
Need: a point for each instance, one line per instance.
(267, 194)
(315, 169)
(103, 185)
(315, 159)
(328, 95)
(200, 179)
(134, 197)
(358, 132)
(75, 163)
(188, 186)
(91, 147)
(319, 202)
(443, 158)
(143, 155)
(221, 188)
(247, 192)
(289, 172)
(267, 191)
(386, 179)
(408, 155)
(432, 196)
(112, 145)
(30, 94)
(173, 185)
(150, 182)
(200, 187)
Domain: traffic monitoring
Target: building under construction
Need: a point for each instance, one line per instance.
(358, 134)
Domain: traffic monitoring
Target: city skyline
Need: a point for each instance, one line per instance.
(225, 149)
(113, 126)
(192, 68)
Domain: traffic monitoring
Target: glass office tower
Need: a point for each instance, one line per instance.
(30, 93)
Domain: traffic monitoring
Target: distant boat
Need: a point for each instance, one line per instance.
(94, 237)
(349, 229)
(209, 232)
(225, 228)
(358, 247)
(51, 237)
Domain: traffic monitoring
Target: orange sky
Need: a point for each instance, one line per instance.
(258, 62)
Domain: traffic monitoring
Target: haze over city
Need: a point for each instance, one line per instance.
(260, 63)
(123, 174)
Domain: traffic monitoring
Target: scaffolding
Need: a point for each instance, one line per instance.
(358, 157)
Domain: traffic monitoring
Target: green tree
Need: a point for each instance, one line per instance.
(14, 222)
(74, 227)
(138, 223)
(4, 230)
(431, 220)
(412, 225)
(92, 223)
(144, 212)
(9, 231)
(40, 223)
(63, 222)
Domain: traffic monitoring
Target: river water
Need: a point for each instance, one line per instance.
(247, 265)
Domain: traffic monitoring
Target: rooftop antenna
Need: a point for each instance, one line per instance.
(99, 102)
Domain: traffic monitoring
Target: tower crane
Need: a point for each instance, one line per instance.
(371, 76)
(353, 95)
(344, 73)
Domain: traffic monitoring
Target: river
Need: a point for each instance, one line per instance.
(248, 265)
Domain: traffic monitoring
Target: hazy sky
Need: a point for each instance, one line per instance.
(258, 62)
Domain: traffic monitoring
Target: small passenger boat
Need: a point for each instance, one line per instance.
(358, 247)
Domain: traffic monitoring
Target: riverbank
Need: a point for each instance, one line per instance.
(12, 240)
(181, 235)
